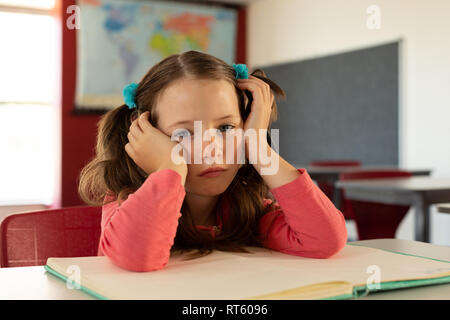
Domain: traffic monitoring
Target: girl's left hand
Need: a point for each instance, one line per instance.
(259, 117)
(261, 107)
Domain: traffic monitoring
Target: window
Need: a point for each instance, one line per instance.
(29, 106)
(38, 4)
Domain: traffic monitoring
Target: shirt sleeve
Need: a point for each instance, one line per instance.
(304, 222)
(138, 234)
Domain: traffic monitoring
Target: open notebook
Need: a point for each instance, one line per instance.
(262, 274)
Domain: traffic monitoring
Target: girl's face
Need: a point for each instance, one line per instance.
(214, 104)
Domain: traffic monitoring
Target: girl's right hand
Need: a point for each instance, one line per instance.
(151, 149)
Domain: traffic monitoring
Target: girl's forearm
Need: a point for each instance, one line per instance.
(278, 172)
(138, 234)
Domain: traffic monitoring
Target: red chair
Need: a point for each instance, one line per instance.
(28, 239)
(375, 220)
(328, 187)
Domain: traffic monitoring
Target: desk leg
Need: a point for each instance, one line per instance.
(422, 220)
(337, 199)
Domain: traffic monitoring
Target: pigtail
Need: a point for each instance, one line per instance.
(112, 171)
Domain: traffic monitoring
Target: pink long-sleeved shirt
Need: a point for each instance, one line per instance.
(138, 234)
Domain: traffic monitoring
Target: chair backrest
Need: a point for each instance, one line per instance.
(374, 174)
(374, 220)
(336, 163)
(326, 186)
(28, 239)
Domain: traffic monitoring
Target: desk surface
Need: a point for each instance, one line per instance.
(398, 184)
(419, 192)
(35, 283)
(444, 208)
(342, 169)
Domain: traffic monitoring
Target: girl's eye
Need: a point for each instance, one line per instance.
(181, 133)
(226, 127)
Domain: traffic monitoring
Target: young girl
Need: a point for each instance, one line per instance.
(154, 206)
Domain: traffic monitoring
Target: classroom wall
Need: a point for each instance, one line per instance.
(79, 131)
(290, 30)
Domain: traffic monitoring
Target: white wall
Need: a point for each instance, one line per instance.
(289, 30)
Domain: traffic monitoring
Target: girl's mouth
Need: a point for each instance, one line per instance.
(212, 172)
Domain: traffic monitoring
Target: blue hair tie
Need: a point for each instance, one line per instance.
(129, 92)
(241, 71)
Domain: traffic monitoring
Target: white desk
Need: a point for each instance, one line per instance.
(419, 192)
(330, 174)
(35, 283)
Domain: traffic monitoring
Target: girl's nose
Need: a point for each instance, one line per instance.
(213, 149)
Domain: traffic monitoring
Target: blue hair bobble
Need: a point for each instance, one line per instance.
(129, 92)
(241, 71)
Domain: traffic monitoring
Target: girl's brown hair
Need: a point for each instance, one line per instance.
(112, 172)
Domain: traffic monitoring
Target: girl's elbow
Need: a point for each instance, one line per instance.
(135, 262)
(148, 267)
(329, 252)
(333, 247)
(141, 265)
(326, 248)
(336, 241)
(317, 250)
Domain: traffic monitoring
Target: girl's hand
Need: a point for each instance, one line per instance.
(151, 149)
(274, 170)
(261, 109)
